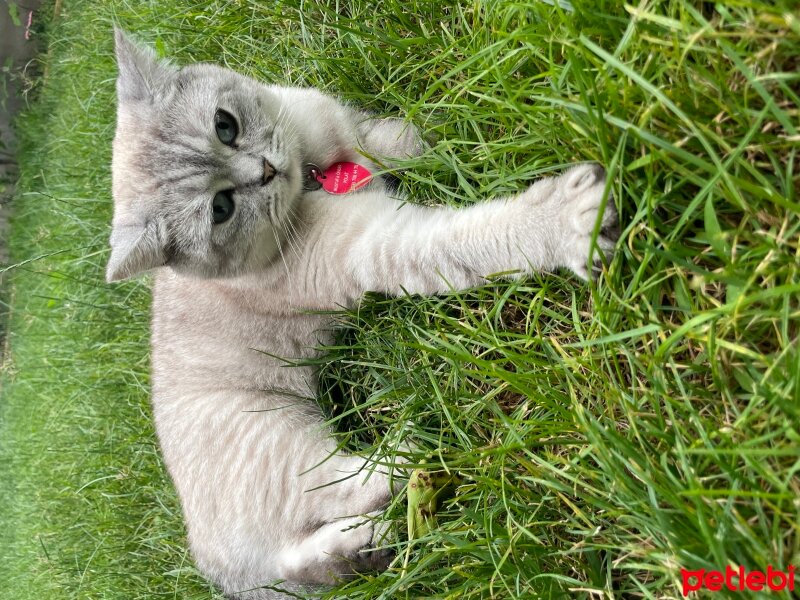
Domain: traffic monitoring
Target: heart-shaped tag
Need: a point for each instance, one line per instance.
(343, 177)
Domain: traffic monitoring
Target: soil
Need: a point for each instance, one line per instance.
(17, 50)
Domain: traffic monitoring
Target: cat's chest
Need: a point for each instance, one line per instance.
(207, 335)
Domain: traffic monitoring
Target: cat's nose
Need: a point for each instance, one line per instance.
(269, 172)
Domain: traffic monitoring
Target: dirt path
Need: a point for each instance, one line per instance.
(16, 53)
(17, 49)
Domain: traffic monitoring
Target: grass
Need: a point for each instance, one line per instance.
(609, 434)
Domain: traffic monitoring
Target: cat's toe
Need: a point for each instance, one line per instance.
(611, 231)
(583, 177)
(375, 559)
(584, 204)
(579, 261)
(377, 555)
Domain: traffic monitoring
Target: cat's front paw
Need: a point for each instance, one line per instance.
(581, 199)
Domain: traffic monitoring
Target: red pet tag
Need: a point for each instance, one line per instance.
(342, 177)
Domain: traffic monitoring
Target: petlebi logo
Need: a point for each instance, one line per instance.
(737, 579)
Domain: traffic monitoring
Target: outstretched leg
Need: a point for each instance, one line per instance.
(394, 248)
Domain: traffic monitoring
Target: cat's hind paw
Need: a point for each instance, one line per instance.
(337, 550)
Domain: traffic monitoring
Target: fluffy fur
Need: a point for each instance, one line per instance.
(265, 494)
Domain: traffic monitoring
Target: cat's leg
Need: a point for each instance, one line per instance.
(340, 506)
(265, 490)
(331, 131)
(369, 242)
(390, 139)
(548, 226)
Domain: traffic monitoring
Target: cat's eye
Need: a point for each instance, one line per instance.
(226, 127)
(222, 207)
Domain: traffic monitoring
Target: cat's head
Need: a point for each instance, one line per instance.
(205, 170)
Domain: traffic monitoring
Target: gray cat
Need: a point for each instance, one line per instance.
(213, 188)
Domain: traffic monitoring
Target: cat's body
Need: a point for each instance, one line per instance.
(265, 494)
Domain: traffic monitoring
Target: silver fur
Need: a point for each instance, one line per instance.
(265, 494)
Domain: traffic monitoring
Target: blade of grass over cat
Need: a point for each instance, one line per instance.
(608, 434)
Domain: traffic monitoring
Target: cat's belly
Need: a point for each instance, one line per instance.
(207, 335)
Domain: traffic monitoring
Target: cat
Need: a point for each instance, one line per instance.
(213, 190)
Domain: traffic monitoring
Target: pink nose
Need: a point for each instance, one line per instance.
(269, 172)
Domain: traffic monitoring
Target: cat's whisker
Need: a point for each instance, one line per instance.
(283, 123)
(293, 235)
(282, 228)
(280, 251)
(287, 235)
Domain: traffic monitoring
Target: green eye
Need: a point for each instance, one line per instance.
(226, 127)
(222, 206)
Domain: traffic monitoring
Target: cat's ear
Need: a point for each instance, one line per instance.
(134, 249)
(141, 73)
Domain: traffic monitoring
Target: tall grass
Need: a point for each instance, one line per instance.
(609, 434)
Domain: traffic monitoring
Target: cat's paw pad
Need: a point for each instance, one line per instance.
(582, 188)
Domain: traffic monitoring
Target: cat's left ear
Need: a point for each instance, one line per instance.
(141, 72)
(134, 249)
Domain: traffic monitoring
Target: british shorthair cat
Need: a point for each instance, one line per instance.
(215, 189)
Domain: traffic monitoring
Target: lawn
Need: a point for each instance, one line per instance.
(608, 434)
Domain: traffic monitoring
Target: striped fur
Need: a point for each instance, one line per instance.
(265, 494)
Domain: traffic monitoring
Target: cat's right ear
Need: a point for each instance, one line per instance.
(134, 249)
(141, 73)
